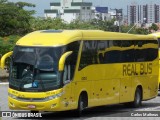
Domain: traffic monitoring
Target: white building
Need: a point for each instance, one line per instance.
(149, 13)
(102, 13)
(70, 10)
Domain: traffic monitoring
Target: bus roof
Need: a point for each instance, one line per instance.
(157, 34)
(63, 37)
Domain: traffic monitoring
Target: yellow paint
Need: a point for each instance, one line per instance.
(62, 60)
(4, 58)
(44, 105)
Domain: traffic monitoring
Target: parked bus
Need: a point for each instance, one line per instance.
(59, 70)
(157, 34)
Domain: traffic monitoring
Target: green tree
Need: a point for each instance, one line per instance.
(106, 25)
(47, 23)
(143, 31)
(153, 27)
(24, 4)
(77, 24)
(127, 28)
(3, 1)
(57, 23)
(133, 29)
(7, 43)
(14, 19)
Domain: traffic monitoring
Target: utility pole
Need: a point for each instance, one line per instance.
(142, 25)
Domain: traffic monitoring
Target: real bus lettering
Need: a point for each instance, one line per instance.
(137, 69)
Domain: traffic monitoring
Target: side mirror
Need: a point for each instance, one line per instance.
(62, 60)
(4, 57)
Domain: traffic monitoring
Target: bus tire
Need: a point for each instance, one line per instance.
(80, 106)
(137, 98)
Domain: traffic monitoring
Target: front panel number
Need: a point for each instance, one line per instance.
(84, 78)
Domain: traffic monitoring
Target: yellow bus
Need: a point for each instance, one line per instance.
(59, 70)
(157, 34)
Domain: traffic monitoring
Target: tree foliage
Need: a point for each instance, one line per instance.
(57, 23)
(47, 23)
(14, 19)
(77, 24)
(106, 25)
(153, 27)
(21, 5)
(7, 43)
(132, 29)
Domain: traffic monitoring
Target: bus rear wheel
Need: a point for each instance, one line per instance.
(137, 98)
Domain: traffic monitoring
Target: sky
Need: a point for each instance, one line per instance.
(45, 4)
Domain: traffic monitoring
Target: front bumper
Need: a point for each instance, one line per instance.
(51, 105)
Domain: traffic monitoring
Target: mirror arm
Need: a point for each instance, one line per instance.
(2, 65)
(63, 59)
(61, 78)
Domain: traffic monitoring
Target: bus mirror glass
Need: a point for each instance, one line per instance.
(63, 59)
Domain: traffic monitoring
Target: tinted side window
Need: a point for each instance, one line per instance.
(140, 52)
(146, 50)
(151, 50)
(127, 51)
(117, 51)
(109, 51)
(112, 52)
(89, 54)
(72, 59)
(100, 51)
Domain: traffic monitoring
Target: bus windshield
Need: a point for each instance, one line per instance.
(35, 68)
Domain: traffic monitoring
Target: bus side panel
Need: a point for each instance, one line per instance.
(152, 79)
(126, 93)
(147, 78)
(101, 82)
(80, 84)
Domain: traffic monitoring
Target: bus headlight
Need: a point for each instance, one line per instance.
(12, 96)
(55, 96)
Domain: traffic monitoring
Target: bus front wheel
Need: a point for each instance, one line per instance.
(80, 106)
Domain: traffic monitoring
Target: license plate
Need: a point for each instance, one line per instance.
(31, 106)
